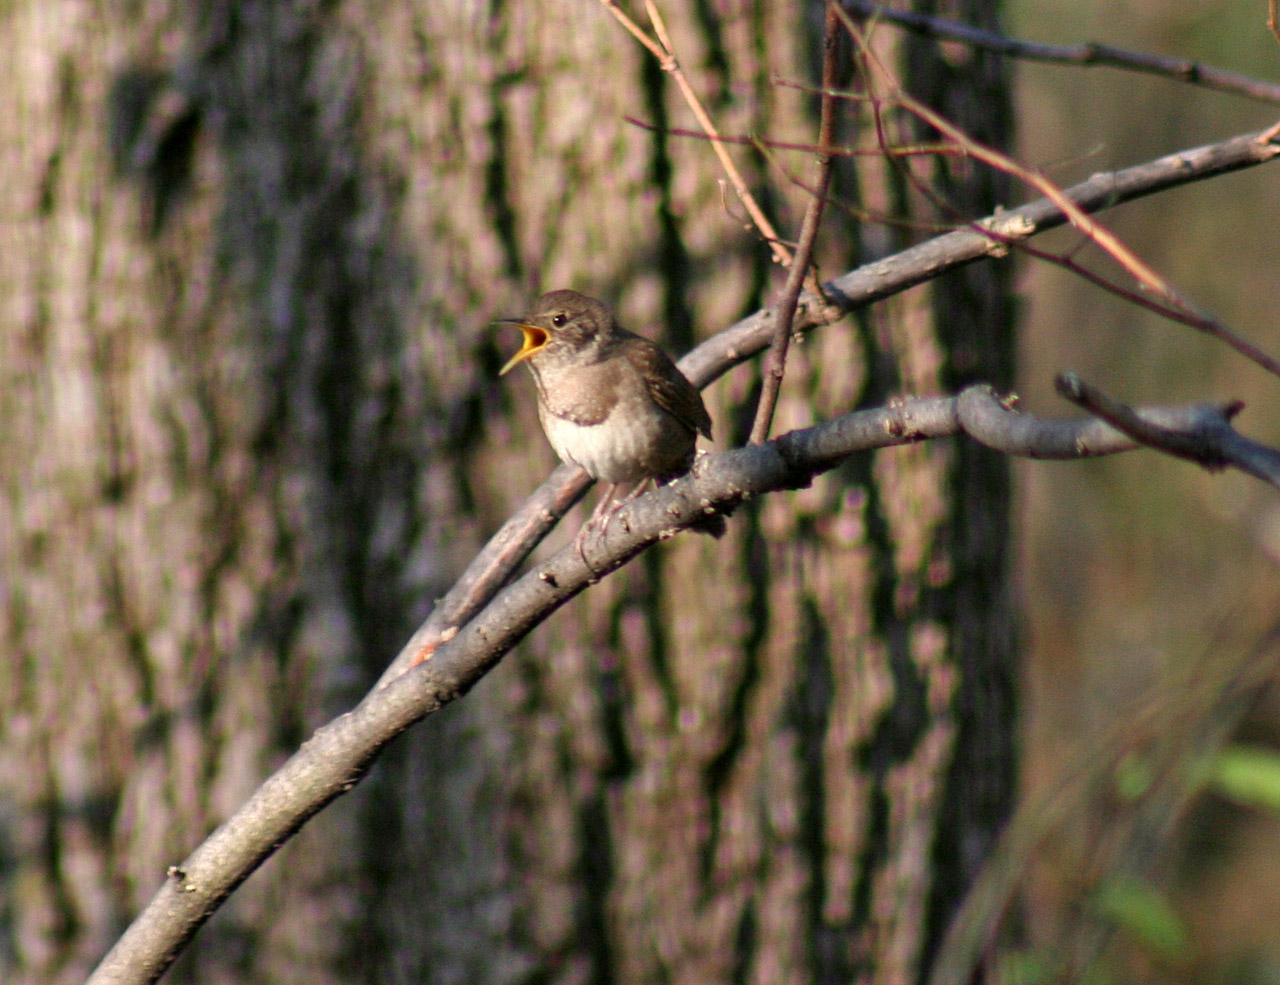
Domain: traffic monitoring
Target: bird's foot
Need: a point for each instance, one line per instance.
(600, 516)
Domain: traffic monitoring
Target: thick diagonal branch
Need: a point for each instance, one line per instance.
(337, 755)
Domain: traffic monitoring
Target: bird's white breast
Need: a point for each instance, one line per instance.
(612, 454)
(609, 423)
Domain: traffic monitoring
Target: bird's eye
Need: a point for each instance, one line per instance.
(559, 320)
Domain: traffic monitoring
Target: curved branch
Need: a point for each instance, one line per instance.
(335, 758)
(990, 420)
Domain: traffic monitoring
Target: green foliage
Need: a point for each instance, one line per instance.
(1248, 775)
(1143, 912)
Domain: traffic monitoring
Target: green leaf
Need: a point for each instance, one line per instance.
(1249, 775)
(1144, 912)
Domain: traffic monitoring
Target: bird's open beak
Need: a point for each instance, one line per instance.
(534, 339)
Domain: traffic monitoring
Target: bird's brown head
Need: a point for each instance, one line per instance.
(562, 322)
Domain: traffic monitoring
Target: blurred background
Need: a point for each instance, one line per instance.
(250, 427)
(1137, 570)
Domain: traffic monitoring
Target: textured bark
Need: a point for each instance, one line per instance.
(249, 406)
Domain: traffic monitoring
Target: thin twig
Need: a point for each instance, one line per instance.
(663, 51)
(767, 147)
(990, 156)
(1088, 54)
(1146, 276)
(1136, 297)
(775, 363)
(916, 150)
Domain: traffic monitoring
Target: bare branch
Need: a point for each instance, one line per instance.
(915, 265)
(775, 363)
(335, 758)
(490, 569)
(1179, 307)
(1166, 298)
(990, 420)
(1212, 442)
(1090, 53)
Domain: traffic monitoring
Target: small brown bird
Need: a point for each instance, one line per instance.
(608, 400)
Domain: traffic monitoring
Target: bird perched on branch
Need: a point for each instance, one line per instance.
(609, 400)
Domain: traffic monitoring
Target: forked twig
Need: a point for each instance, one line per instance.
(1213, 443)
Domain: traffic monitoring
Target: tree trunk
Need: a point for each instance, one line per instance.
(250, 406)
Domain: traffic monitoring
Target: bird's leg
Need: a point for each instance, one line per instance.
(620, 502)
(604, 512)
(580, 541)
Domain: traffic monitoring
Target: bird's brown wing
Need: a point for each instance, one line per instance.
(668, 386)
